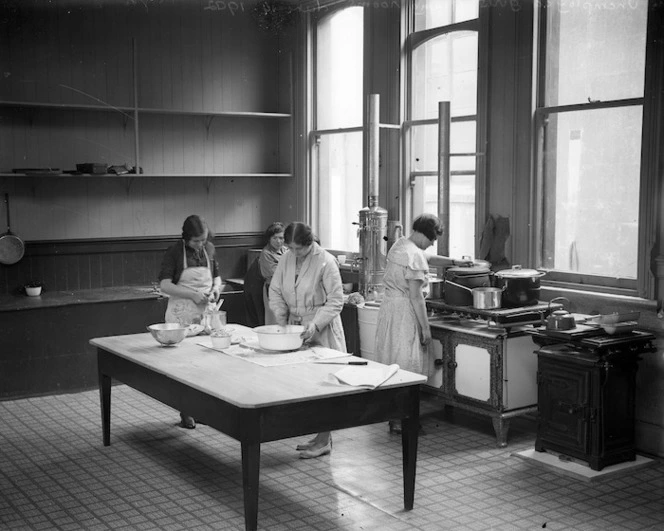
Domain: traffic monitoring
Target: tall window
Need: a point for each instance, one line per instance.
(443, 66)
(337, 138)
(590, 113)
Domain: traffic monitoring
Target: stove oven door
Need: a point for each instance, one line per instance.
(564, 414)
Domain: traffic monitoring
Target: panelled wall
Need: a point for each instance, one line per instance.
(117, 82)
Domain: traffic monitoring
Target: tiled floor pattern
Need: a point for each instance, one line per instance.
(56, 474)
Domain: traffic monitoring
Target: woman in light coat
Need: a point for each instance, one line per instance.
(306, 289)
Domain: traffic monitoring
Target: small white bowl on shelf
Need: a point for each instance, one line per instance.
(33, 291)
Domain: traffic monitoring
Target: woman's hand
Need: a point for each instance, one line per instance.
(199, 298)
(309, 332)
(425, 336)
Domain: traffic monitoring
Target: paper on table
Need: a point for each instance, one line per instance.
(366, 377)
(250, 351)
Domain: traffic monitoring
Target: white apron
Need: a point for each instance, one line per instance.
(199, 278)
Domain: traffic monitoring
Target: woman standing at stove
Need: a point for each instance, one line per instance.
(402, 330)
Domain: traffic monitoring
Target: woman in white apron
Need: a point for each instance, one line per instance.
(189, 275)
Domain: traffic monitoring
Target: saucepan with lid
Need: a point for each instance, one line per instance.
(522, 286)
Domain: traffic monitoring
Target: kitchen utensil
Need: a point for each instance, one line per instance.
(275, 337)
(11, 246)
(560, 319)
(457, 294)
(168, 334)
(213, 320)
(341, 362)
(486, 298)
(218, 305)
(522, 286)
(435, 288)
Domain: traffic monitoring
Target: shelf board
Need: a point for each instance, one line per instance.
(152, 175)
(144, 110)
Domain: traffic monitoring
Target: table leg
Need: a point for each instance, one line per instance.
(105, 402)
(251, 459)
(409, 434)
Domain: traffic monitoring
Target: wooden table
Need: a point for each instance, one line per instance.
(255, 404)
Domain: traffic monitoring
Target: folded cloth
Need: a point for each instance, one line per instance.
(367, 377)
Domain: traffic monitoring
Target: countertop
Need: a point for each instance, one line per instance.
(50, 299)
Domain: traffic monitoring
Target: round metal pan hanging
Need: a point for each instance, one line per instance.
(11, 246)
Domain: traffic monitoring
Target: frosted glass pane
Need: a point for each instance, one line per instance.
(339, 69)
(596, 54)
(592, 192)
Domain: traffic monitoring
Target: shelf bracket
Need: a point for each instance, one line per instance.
(208, 183)
(128, 181)
(208, 123)
(125, 120)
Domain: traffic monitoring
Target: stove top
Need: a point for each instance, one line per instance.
(594, 338)
(503, 316)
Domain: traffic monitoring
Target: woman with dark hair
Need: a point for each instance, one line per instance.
(402, 329)
(259, 274)
(306, 289)
(189, 275)
(268, 260)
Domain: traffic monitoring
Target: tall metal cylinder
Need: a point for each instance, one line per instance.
(373, 251)
(373, 219)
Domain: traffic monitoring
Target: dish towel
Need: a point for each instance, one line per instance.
(365, 377)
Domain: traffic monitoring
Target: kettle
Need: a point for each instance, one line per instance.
(560, 319)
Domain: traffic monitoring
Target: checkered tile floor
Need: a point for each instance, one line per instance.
(56, 474)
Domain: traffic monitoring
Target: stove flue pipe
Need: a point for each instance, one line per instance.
(373, 147)
(373, 219)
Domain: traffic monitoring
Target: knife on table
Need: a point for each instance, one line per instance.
(342, 362)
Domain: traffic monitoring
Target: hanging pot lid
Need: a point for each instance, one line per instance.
(518, 272)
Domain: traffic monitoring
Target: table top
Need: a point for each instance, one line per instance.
(236, 381)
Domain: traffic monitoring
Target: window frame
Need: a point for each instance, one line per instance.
(413, 40)
(314, 134)
(643, 285)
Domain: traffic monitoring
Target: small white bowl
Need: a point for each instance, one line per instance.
(33, 291)
(219, 341)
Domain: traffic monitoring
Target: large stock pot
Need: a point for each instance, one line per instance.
(521, 287)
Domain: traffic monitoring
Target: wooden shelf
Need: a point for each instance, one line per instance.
(144, 110)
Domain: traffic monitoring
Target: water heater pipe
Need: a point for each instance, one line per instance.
(444, 123)
(373, 147)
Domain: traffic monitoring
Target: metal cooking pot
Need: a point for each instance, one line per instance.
(435, 288)
(521, 286)
(487, 298)
(560, 319)
(460, 280)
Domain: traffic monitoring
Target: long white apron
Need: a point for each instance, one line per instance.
(199, 278)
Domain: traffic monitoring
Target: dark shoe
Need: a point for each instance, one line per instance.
(187, 422)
